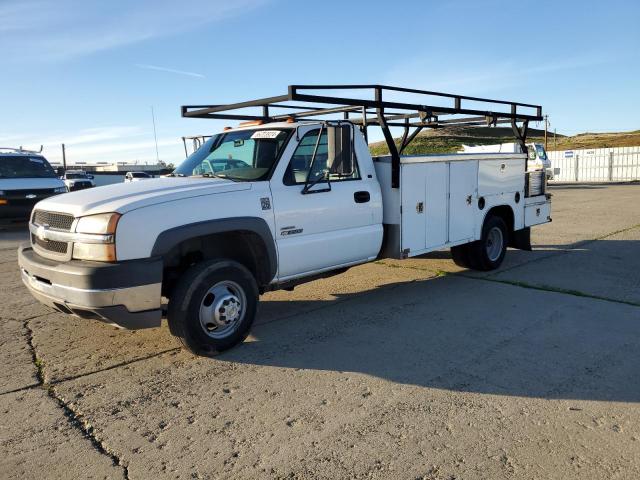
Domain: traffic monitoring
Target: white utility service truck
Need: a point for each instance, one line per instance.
(289, 196)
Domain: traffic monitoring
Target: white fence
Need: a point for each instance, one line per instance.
(596, 164)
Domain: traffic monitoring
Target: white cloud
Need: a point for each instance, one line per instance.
(169, 70)
(63, 29)
(105, 144)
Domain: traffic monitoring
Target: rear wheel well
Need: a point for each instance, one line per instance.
(244, 247)
(505, 212)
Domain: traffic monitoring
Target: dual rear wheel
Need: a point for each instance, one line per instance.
(488, 252)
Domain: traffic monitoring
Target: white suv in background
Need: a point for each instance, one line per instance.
(136, 176)
(77, 180)
(25, 178)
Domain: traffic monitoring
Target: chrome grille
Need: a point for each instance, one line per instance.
(58, 221)
(50, 245)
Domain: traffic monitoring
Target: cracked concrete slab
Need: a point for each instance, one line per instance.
(386, 371)
(397, 373)
(17, 370)
(37, 441)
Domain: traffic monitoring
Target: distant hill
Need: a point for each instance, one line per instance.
(451, 139)
(597, 140)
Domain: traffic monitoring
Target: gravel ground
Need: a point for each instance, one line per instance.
(412, 369)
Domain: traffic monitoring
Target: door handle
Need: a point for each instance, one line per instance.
(362, 197)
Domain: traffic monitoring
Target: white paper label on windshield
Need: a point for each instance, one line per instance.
(266, 134)
(35, 160)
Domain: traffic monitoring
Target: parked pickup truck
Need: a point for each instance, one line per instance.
(297, 199)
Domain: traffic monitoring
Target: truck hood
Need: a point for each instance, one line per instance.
(124, 197)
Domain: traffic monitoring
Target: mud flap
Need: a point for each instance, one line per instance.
(521, 239)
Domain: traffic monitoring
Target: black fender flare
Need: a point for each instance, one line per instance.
(174, 236)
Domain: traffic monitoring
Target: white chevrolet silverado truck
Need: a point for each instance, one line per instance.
(283, 199)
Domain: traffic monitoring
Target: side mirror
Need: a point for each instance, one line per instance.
(340, 150)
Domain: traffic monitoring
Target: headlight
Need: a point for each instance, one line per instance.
(104, 224)
(100, 252)
(60, 190)
(100, 225)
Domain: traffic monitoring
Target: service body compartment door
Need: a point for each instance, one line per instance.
(435, 207)
(463, 192)
(537, 210)
(412, 184)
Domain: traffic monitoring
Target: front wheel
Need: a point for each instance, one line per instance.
(488, 252)
(213, 306)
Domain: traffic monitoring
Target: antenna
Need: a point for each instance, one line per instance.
(155, 136)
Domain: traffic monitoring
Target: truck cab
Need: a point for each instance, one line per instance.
(289, 200)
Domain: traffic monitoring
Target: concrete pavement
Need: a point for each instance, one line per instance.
(412, 369)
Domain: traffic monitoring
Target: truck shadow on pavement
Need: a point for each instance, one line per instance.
(461, 334)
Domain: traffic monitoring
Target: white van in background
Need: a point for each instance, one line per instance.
(537, 160)
(25, 178)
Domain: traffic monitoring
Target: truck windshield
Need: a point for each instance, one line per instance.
(244, 155)
(23, 166)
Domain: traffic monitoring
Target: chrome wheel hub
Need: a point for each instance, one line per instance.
(222, 309)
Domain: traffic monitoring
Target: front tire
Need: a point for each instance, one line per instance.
(213, 306)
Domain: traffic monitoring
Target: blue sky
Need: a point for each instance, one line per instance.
(86, 72)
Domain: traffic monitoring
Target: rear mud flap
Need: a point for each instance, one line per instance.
(521, 239)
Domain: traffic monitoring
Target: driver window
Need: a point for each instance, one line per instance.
(300, 163)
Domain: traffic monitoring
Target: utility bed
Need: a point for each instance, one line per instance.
(443, 199)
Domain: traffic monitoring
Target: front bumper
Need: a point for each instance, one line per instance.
(127, 294)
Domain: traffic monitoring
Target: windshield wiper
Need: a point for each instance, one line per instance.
(173, 174)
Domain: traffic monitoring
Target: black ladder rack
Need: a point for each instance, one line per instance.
(376, 108)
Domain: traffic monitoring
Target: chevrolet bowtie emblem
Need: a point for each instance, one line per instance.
(41, 232)
(30, 195)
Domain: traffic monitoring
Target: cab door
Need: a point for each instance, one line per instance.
(324, 213)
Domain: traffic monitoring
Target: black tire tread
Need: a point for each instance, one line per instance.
(478, 259)
(182, 297)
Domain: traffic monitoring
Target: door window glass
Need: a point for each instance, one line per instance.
(300, 164)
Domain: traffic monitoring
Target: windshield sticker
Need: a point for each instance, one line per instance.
(35, 160)
(266, 134)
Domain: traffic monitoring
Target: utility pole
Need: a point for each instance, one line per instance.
(155, 137)
(555, 142)
(64, 158)
(546, 128)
